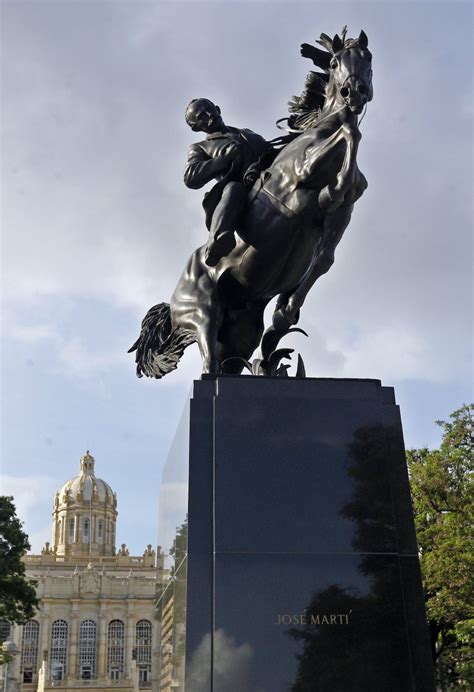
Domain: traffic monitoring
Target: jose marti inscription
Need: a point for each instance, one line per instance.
(313, 619)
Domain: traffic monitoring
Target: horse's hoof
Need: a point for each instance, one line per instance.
(282, 321)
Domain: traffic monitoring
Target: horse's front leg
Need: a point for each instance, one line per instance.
(331, 196)
(288, 306)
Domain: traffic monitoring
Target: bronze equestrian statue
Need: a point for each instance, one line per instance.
(286, 235)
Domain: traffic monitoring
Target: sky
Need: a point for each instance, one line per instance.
(97, 223)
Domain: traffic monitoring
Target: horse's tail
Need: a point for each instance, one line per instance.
(160, 346)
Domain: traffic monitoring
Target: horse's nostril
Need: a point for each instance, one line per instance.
(362, 89)
(344, 92)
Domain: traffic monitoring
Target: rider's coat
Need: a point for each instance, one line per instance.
(251, 146)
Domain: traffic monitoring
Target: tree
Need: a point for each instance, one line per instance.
(443, 500)
(18, 600)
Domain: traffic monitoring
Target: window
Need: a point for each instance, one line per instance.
(143, 649)
(143, 675)
(85, 530)
(58, 651)
(115, 649)
(29, 650)
(71, 530)
(87, 649)
(5, 629)
(100, 531)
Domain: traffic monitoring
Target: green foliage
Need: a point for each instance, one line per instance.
(443, 493)
(18, 600)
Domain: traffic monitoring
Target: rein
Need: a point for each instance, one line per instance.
(299, 132)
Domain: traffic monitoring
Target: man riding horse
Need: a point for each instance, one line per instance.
(295, 216)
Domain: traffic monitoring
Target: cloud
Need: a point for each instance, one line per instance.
(232, 665)
(31, 495)
(76, 360)
(32, 333)
(72, 355)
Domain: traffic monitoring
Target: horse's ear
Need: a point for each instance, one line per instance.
(319, 57)
(363, 40)
(326, 42)
(337, 44)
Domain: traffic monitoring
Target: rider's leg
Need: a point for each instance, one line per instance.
(224, 221)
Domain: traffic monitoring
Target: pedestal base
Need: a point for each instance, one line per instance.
(303, 572)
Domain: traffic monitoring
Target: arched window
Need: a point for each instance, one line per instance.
(100, 531)
(85, 530)
(71, 530)
(115, 649)
(29, 651)
(58, 651)
(87, 649)
(143, 650)
(5, 629)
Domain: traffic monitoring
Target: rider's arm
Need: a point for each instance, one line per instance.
(201, 168)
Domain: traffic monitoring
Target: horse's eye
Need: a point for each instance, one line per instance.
(333, 64)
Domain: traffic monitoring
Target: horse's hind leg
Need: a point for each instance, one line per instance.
(239, 336)
(195, 305)
(209, 322)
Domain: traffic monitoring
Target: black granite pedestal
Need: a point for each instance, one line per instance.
(302, 571)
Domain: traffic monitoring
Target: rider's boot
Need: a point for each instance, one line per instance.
(219, 247)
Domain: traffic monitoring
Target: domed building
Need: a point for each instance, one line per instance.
(84, 515)
(96, 624)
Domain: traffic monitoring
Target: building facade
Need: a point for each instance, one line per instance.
(96, 625)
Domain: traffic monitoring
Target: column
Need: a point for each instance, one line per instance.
(135, 676)
(45, 633)
(129, 639)
(155, 653)
(73, 644)
(102, 642)
(43, 675)
(14, 665)
(92, 537)
(76, 528)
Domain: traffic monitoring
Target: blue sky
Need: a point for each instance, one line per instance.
(97, 223)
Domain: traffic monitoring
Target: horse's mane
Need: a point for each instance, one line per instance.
(306, 109)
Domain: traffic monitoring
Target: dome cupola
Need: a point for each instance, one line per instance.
(84, 514)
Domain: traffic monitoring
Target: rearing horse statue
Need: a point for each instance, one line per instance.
(296, 215)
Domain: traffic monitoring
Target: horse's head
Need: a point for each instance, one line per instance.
(350, 70)
(348, 66)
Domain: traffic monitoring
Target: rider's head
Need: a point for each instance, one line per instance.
(204, 116)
